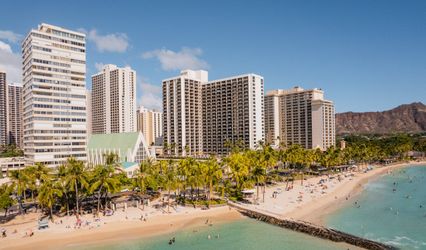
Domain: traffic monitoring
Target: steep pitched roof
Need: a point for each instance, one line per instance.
(120, 141)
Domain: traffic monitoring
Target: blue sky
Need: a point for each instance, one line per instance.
(365, 55)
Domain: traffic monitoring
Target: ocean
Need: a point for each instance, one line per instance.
(391, 209)
(242, 234)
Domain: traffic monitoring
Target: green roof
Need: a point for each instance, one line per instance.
(119, 141)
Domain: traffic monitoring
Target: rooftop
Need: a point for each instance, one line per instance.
(119, 141)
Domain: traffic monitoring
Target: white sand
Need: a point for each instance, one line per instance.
(312, 201)
(121, 226)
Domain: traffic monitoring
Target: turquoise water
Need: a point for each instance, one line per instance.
(243, 234)
(397, 218)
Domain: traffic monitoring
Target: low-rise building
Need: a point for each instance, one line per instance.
(11, 163)
(130, 168)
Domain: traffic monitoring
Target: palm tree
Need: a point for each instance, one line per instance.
(187, 149)
(6, 200)
(169, 181)
(238, 169)
(144, 176)
(112, 159)
(258, 174)
(41, 171)
(20, 184)
(48, 193)
(32, 183)
(173, 147)
(76, 177)
(166, 148)
(106, 182)
(267, 161)
(62, 183)
(213, 174)
(295, 157)
(36, 175)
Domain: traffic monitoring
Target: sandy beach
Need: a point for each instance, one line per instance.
(317, 211)
(311, 202)
(121, 226)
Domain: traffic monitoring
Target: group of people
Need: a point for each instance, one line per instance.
(28, 233)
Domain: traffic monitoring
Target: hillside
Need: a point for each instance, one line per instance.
(404, 118)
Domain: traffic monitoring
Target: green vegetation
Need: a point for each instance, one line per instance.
(10, 151)
(198, 182)
(379, 147)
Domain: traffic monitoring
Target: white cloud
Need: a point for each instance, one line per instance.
(186, 58)
(10, 36)
(11, 63)
(117, 42)
(151, 95)
(99, 66)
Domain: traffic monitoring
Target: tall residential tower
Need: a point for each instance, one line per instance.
(150, 122)
(3, 108)
(54, 95)
(299, 116)
(14, 114)
(182, 113)
(205, 117)
(114, 100)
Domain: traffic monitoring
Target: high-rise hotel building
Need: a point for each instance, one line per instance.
(10, 112)
(114, 100)
(14, 114)
(54, 95)
(182, 113)
(299, 116)
(150, 122)
(232, 112)
(202, 116)
(3, 108)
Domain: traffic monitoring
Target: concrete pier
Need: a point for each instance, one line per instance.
(312, 229)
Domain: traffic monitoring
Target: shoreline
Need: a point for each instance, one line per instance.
(127, 226)
(120, 230)
(317, 211)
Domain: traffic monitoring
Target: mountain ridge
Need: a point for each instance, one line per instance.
(407, 118)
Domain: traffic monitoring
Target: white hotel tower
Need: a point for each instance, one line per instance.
(298, 116)
(114, 100)
(54, 95)
(202, 116)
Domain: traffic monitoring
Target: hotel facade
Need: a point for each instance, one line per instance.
(204, 117)
(10, 112)
(54, 95)
(150, 123)
(3, 108)
(113, 100)
(14, 115)
(299, 116)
